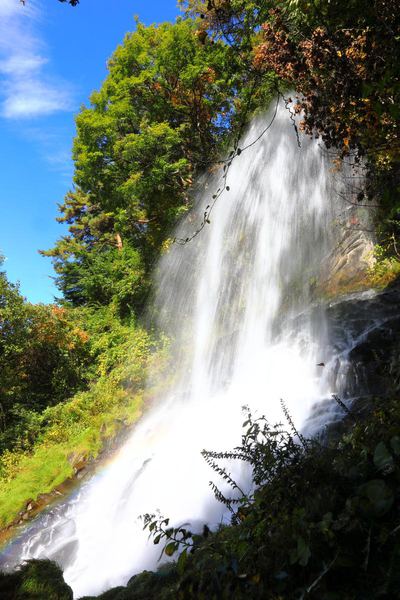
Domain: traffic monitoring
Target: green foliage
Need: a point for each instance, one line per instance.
(160, 116)
(70, 379)
(75, 431)
(35, 580)
(386, 267)
(44, 355)
(342, 59)
(171, 99)
(320, 523)
(109, 276)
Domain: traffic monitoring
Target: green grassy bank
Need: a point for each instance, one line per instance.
(65, 438)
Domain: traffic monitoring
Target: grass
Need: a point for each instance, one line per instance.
(71, 434)
(385, 272)
(52, 461)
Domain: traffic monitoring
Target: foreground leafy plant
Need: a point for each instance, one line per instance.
(320, 521)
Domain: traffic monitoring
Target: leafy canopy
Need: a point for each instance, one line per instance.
(157, 119)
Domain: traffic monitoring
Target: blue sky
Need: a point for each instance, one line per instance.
(52, 56)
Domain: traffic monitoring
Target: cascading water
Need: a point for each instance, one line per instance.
(234, 301)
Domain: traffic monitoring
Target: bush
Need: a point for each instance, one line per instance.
(322, 522)
(35, 580)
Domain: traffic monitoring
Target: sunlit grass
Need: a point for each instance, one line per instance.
(64, 443)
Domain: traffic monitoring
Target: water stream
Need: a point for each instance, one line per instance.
(235, 301)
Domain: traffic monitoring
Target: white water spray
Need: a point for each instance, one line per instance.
(234, 300)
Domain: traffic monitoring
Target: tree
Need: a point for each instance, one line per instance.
(342, 58)
(165, 106)
(44, 354)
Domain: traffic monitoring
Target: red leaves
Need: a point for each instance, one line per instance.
(338, 73)
(277, 53)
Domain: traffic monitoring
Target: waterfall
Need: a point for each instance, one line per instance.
(235, 302)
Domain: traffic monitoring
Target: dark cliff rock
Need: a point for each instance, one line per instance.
(362, 358)
(364, 329)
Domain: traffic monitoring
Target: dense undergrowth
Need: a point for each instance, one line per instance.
(43, 446)
(322, 523)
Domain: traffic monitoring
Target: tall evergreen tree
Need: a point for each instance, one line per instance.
(158, 117)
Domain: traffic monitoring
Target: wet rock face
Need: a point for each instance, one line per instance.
(362, 358)
(376, 359)
(353, 255)
(365, 335)
(347, 267)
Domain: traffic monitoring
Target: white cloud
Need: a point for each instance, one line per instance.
(18, 64)
(26, 89)
(10, 7)
(54, 147)
(28, 96)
